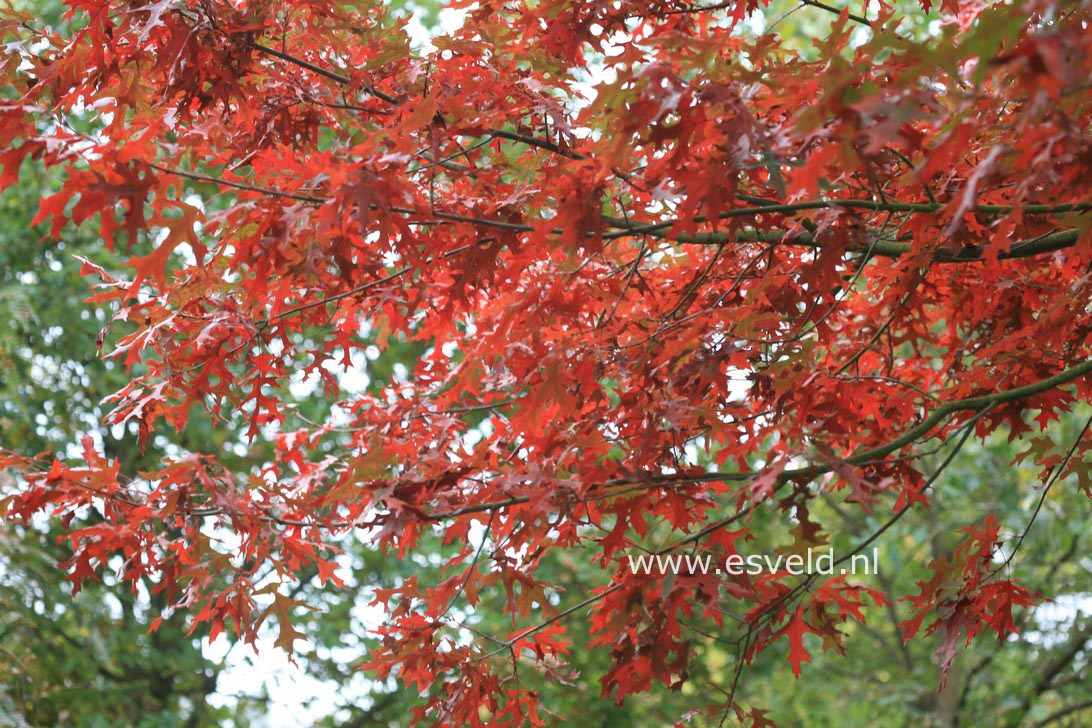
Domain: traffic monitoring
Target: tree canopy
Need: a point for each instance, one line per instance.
(575, 281)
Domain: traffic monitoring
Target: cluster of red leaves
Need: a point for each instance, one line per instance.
(806, 268)
(962, 596)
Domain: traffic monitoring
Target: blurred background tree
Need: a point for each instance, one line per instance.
(86, 660)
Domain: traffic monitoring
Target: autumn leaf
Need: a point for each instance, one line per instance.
(795, 631)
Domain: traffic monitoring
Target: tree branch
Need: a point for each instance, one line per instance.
(320, 71)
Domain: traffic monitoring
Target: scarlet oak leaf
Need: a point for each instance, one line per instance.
(795, 631)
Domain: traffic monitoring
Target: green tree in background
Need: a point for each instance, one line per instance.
(86, 660)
